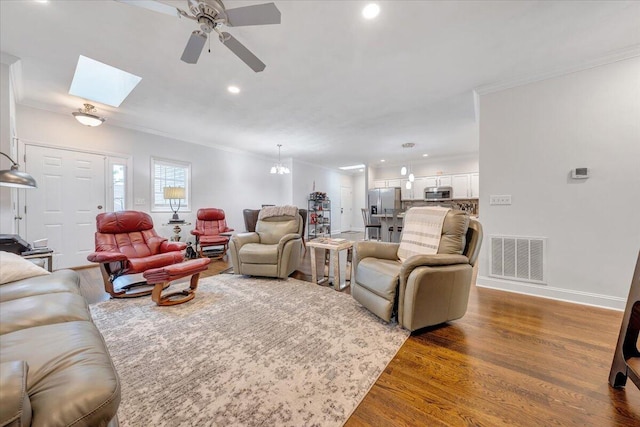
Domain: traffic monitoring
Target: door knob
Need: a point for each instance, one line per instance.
(99, 206)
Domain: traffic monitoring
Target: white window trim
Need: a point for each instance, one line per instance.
(187, 165)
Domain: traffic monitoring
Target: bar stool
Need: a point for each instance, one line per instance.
(368, 225)
(396, 224)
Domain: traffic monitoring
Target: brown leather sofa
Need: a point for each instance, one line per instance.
(425, 290)
(127, 245)
(55, 369)
(273, 250)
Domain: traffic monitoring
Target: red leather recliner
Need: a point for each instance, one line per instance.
(211, 222)
(126, 246)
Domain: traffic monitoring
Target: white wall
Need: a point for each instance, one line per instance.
(430, 167)
(530, 138)
(359, 201)
(6, 213)
(226, 180)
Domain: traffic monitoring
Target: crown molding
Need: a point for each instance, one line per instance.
(609, 58)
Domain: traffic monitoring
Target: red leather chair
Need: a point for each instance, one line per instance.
(210, 223)
(127, 246)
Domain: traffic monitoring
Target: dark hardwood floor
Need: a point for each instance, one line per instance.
(513, 360)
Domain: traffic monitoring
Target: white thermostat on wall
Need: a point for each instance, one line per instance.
(580, 173)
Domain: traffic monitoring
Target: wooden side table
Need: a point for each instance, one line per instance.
(47, 255)
(332, 248)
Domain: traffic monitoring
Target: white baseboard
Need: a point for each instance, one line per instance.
(550, 292)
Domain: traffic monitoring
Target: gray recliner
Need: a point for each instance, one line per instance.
(274, 249)
(424, 290)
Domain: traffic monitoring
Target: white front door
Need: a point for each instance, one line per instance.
(63, 209)
(346, 208)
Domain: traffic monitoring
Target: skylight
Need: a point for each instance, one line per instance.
(347, 168)
(102, 83)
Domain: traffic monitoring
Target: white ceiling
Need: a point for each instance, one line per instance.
(337, 89)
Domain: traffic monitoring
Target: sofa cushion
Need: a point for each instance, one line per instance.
(41, 310)
(139, 265)
(71, 378)
(15, 407)
(256, 253)
(454, 233)
(13, 267)
(379, 276)
(58, 281)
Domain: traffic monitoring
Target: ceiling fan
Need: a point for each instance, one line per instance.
(210, 15)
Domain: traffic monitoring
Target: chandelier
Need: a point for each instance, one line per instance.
(279, 168)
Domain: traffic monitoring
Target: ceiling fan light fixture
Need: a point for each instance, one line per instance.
(87, 116)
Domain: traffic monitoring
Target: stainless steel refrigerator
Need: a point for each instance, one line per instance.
(380, 199)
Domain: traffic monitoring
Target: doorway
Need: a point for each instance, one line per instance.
(346, 208)
(71, 192)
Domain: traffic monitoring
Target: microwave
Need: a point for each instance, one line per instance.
(437, 194)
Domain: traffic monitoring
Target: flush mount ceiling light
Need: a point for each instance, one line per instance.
(233, 89)
(87, 116)
(279, 168)
(370, 11)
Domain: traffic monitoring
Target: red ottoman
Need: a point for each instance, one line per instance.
(160, 278)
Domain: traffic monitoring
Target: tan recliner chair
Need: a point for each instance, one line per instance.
(274, 249)
(425, 290)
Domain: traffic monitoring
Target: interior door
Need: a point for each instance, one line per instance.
(346, 208)
(63, 209)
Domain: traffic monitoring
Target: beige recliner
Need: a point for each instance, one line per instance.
(424, 290)
(274, 249)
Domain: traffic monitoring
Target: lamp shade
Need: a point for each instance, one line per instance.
(173, 193)
(17, 179)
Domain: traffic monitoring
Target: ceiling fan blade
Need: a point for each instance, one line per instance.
(156, 6)
(259, 14)
(194, 46)
(242, 52)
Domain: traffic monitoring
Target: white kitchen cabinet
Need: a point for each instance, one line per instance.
(418, 188)
(379, 183)
(406, 194)
(461, 186)
(475, 185)
(431, 181)
(394, 182)
(444, 181)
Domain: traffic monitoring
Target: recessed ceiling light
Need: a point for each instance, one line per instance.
(360, 170)
(346, 168)
(42, 1)
(233, 89)
(382, 161)
(425, 155)
(370, 11)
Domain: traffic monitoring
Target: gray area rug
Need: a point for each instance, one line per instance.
(246, 352)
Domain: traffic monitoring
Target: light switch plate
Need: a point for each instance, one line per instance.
(140, 201)
(500, 200)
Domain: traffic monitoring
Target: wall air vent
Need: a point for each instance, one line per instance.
(518, 258)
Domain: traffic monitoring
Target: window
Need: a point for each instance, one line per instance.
(169, 173)
(118, 184)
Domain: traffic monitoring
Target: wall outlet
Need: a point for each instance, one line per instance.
(140, 201)
(500, 200)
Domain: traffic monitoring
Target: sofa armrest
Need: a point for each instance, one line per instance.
(242, 239)
(381, 250)
(167, 246)
(102, 257)
(15, 406)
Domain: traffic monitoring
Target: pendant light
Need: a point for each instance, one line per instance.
(279, 168)
(403, 169)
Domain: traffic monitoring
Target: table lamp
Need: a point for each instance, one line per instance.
(171, 194)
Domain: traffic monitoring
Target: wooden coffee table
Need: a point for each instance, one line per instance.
(331, 247)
